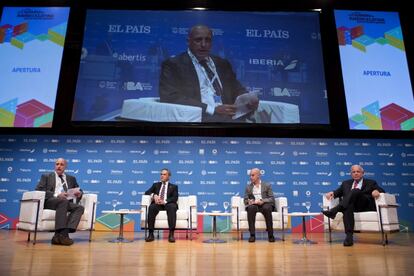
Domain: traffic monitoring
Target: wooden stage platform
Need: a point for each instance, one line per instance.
(185, 257)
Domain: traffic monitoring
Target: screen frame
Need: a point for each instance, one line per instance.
(134, 123)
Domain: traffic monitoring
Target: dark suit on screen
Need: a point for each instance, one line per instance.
(171, 206)
(62, 206)
(179, 82)
(355, 200)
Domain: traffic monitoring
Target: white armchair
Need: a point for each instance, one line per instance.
(383, 220)
(34, 218)
(186, 215)
(239, 216)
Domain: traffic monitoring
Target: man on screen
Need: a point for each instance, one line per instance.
(259, 198)
(68, 214)
(197, 78)
(358, 194)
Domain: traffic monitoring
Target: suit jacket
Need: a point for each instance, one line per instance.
(368, 186)
(47, 184)
(267, 194)
(172, 192)
(179, 82)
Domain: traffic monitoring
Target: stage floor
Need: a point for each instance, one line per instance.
(185, 257)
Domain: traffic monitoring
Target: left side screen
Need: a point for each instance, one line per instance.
(31, 47)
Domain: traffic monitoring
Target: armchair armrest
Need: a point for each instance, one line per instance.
(192, 202)
(31, 206)
(146, 200)
(385, 199)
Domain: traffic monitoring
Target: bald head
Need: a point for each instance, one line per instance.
(255, 175)
(60, 166)
(199, 41)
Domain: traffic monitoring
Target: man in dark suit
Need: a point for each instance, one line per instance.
(358, 195)
(56, 185)
(197, 78)
(259, 198)
(164, 196)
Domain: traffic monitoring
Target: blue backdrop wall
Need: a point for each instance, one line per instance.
(119, 169)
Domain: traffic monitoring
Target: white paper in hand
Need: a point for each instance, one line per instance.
(242, 104)
(71, 193)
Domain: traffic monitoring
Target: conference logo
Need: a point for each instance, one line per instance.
(184, 152)
(129, 29)
(94, 161)
(6, 159)
(280, 153)
(113, 151)
(186, 162)
(208, 142)
(136, 86)
(113, 181)
(117, 172)
(266, 33)
(207, 182)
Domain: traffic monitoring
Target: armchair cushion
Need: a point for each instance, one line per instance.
(239, 220)
(187, 206)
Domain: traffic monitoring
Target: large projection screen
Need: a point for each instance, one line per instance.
(277, 56)
(31, 48)
(378, 89)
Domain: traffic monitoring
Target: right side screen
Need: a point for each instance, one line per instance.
(378, 90)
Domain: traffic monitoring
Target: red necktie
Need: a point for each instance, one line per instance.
(162, 192)
(355, 185)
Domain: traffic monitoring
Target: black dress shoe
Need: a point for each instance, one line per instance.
(171, 238)
(150, 237)
(349, 241)
(252, 239)
(329, 214)
(271, 238)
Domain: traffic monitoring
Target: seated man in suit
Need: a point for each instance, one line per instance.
(199, 79)
(358, 195)
(259, 198)
(164, 196)
(56, 185)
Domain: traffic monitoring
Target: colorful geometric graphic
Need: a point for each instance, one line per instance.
(111, 222)
(33, 114)
(7, 113)
(390, 117)
(357, 38)
(19, 35)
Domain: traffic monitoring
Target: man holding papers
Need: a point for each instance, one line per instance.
(198, 78)
(60, 188)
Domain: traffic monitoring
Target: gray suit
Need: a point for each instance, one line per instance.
(266, 208)
(47, 184)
